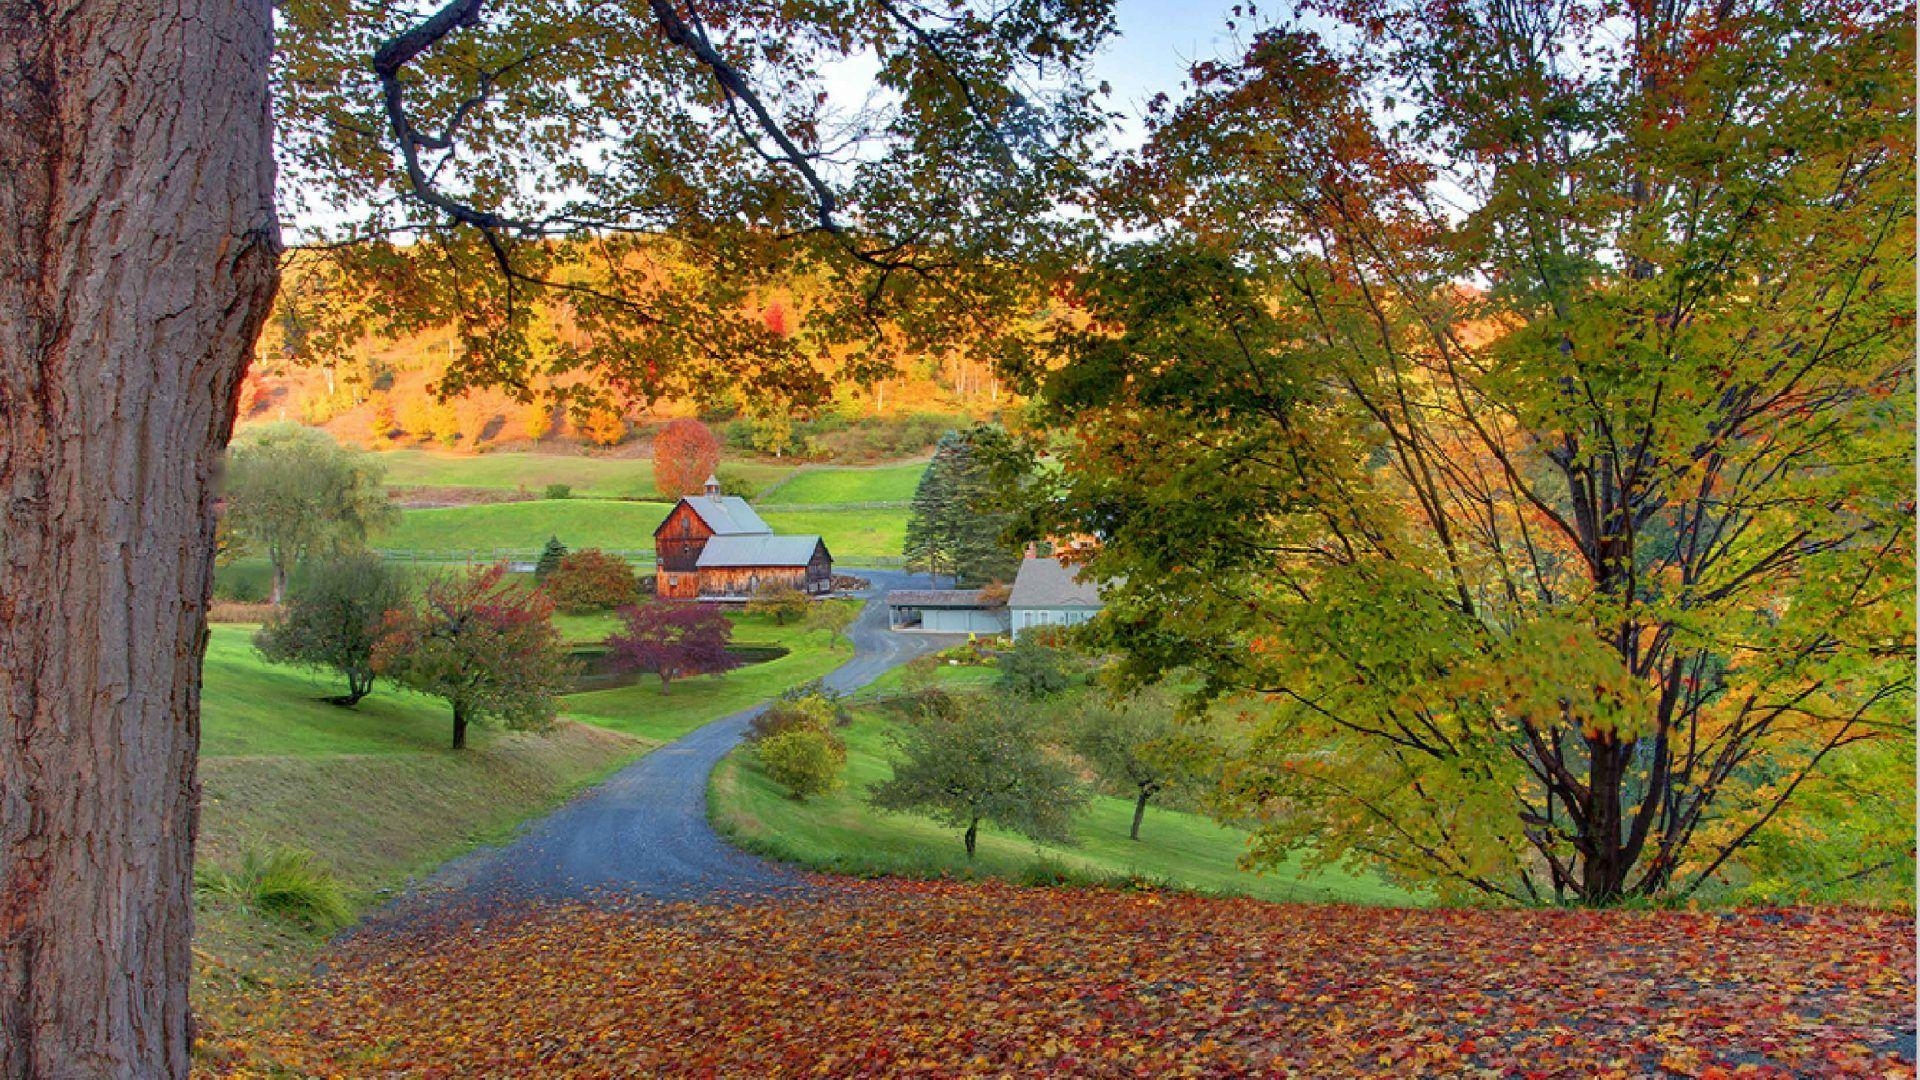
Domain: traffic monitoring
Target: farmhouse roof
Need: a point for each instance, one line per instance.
(1046, 582)
(937, 598)
(739, 552)
(727, 515)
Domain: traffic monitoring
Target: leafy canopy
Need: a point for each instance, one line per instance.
(335, 618)
(672, 640)
(653, 173)
(292, 492)
(485, 644)
(1561, 584)
(685, 453)
(982, 760)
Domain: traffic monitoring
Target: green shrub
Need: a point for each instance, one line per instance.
(817, 710)
(1033, 669)
(733, 483)
(779, 602)
(284, 884)
(590, 580)
(805, 759)
(559, 491)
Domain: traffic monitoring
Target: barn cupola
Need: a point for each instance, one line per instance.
(713, 487)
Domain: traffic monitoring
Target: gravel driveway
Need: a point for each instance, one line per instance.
(643, 832)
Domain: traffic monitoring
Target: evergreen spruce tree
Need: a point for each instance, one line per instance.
(960, 515)
(550, 557)
(929, 546)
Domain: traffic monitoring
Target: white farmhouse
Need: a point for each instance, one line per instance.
(1048, 592)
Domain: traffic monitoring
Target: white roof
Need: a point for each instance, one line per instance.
(766, 550)
(1046, 582)
(727, 515)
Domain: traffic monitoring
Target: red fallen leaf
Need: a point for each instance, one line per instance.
(892, 978)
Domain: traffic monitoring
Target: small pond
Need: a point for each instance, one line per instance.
(593, 669)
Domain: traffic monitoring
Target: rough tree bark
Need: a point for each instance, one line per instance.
(138, 250)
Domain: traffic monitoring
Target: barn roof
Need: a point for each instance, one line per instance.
(727, 515)
(1046, 582)
(739, 552)
(937, 598)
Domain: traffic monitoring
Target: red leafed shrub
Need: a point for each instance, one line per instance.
(672, 640)
(685, 453)
(590, 580)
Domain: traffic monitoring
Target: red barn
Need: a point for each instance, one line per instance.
(713, 546)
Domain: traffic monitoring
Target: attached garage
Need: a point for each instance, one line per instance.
(945, 611)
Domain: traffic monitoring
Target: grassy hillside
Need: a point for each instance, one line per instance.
(840, 832)
(522, 528)
(379, 797)
(590, 477)
(881, 483)
(852, 535)
(374, 792)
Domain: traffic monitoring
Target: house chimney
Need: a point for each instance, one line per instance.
(713, 487)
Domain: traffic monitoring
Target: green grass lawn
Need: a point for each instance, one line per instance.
(522, 528)
(850, 534)
(590, 477)
(946, 676)
(841, 833)
(881, 483)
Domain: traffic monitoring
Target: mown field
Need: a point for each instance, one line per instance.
(841, 833)
(816, 485)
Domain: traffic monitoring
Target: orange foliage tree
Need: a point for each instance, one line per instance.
(605, 425)
(685, 453)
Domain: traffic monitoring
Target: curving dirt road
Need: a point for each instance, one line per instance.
(643, 832)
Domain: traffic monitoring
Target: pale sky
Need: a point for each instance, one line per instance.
(1157, 41)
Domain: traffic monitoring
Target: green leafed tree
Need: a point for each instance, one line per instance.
(1140, 746)
(834, 617)
(1541, 447)
(292, 492)
(982, 761)
(334, 618)
(485, 645)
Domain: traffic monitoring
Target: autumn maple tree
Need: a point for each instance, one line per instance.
(484, 644)
(1520, 399)
(685, 454)
(672, 640)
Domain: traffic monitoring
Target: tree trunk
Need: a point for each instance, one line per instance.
(279, 595)
(1139, 811)
(138, 257)
(973, 834)
(459, 728)
(1603, 869)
